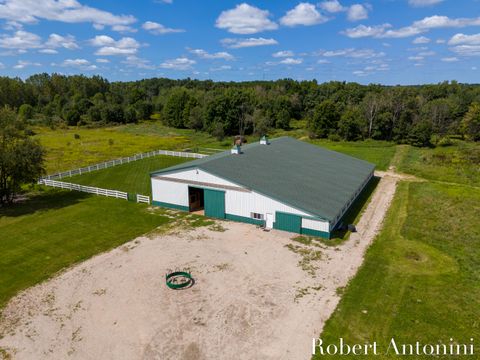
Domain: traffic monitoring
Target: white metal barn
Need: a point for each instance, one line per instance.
(284, 184)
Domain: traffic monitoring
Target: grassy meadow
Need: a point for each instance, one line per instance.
(54, 229)
(420, 278)
(133, 177)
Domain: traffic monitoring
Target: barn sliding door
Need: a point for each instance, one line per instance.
(288, 222)
(214, 203)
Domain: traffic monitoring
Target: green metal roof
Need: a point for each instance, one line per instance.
(305, 176)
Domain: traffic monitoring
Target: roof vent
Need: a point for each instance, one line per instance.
(236, 149)
(264, 140)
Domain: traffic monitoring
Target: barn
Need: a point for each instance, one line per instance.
(284, 184)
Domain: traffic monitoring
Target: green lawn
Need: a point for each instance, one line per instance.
(459, 163)
(379, 153)
(421, 277)
(55, 229)
(133, 177)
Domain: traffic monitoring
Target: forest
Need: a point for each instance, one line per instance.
(334, 110)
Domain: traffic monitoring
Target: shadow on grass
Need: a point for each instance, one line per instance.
(49, 199)
(354, 212)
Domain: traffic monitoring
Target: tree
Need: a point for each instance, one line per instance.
(350, 124)
(471, 122)
(26, 112)
(324, 119)
(420, 134)
(21, 157)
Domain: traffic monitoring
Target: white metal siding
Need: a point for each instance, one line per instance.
(315, 225)
(169, 192)
(243, 204)
(199, 175)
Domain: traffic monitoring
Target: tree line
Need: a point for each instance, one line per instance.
(335, 110)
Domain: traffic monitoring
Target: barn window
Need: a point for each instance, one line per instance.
(256, 216)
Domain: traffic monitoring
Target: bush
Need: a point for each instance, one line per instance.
(334, 137)
(445, 141)
(76, 136)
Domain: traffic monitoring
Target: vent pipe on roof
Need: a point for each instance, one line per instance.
(264, 140)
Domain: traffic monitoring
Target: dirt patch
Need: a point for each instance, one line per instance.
(257, 295)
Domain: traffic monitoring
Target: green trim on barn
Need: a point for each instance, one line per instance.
(214, 203)
(170, 206)
(243, 219)
(317, 233)
(288, 222)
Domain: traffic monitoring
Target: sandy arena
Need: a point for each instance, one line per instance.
(254, 298)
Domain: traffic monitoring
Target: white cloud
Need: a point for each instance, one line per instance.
(135, 61)
(416, 58)
(332, 6)
(48, 51)
(221, 68)
(58, 41)
(69, 11)
(450, 59)
(108, 46)
(20, 40)
(21, 64)
(458, 39)
(123, 29)
(352, 53)
(250, 42)
(102, 61)
(82, 64)
(423, 3)
(245, 19)
(357, 12)
(285, 53)
(421, 40)
(303, 14)
(181, 63)
(427, 53)
(323, 61)
(366, 31)
(466, 50)
(440, 41)
(218, 55)
(291, 61)
(159, 29)
(418, 27)
(465, 45)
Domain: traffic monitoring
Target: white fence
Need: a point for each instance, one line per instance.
(121, 161)
(143, 199)
(87, 189)
(94, 190)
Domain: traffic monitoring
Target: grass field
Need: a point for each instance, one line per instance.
(420, 278)
(65, 152)
(55, 229)
(459, 163)
(133, 177)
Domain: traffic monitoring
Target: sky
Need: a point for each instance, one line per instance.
(378, 41)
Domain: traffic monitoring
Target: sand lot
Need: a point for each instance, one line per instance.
(254, 297)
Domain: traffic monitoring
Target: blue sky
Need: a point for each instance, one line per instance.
(383, 41)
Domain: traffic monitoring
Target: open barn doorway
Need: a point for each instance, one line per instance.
(196, 200)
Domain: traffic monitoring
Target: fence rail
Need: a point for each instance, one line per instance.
(125, 160)
(143, 199)
(88, 189)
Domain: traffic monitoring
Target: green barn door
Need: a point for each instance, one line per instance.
(214, 203)
(288, 222)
